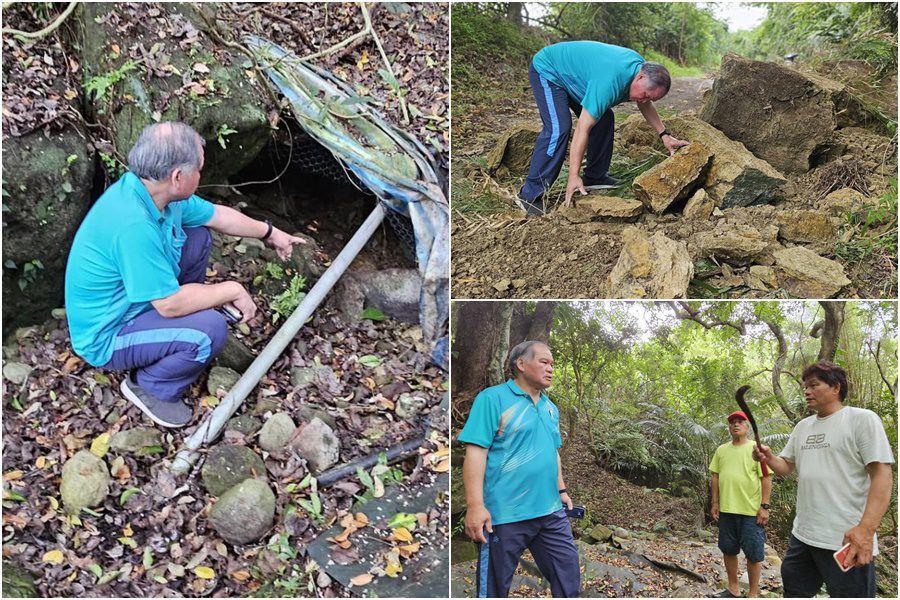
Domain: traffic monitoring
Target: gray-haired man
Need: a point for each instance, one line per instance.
(515, 494)
(588, 78)
(136, 297)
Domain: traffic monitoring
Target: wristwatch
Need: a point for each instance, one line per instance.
(764, 505)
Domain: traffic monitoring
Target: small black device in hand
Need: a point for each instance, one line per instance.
(576, 512)
(231, 314)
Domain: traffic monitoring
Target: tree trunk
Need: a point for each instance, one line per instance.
(514, 12)
(480, 345)
(834, 320)
(776, 370)
(497, 367)
(532, 326)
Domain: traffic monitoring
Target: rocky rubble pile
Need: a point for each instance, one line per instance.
(742, 196)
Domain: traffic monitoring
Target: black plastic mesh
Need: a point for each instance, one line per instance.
(312, 157)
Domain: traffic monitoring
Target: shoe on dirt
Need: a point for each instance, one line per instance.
(727, 594)
(167, 414)
(603, 183)
(533, 208)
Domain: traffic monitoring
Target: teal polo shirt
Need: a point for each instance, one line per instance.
(522, 439)
(125, 254)
(595, 74)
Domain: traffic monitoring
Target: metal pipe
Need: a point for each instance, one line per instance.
(214, 423)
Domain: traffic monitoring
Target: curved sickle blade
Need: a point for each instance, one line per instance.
(739, 396)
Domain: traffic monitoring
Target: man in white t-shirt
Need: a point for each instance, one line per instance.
(843, 462)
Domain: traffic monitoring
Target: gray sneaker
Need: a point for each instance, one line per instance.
(534, 208)
(167, 414)
(604, 183)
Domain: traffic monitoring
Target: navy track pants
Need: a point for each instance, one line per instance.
(550, 540)
(170, 353)
(554, 105)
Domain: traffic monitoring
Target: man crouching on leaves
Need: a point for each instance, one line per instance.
(136, 293)
(512, 474)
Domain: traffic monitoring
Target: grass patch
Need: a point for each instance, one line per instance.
(874, 230)
(468, 196)
(675, 70)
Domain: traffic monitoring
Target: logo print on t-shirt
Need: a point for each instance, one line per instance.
(815, 441)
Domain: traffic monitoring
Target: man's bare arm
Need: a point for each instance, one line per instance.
(860, 537)
(560, 484)
(648, 110)
(576, 154)
(477, 516)
(778, 465)
(193, 297)
(232, 222)
(714, 489)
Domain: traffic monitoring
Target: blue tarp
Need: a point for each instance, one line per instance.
(391, 163)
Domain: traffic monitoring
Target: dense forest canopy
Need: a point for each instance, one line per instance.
(689, 34)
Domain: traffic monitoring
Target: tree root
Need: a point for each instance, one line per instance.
(36, 35)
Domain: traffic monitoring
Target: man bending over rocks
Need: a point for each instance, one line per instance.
(589, 78)
(136, 297)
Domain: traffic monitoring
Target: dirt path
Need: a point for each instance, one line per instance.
(684, 95)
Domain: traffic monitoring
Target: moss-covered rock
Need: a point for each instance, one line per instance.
(17, 582)
(47, 190)
(183, 77)
(227, 466)
(85, 482)
(245, 512)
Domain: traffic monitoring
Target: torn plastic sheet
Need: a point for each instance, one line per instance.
(390, 163)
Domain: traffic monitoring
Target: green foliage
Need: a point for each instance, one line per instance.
(372, 314)
(684, 33)
(313, 507)
(650, 395)
(100, 85)
(829, 30)
(284, 303)
(114, 169)
(222, 134)
(874, 230)
(29, 272)
(273, 271)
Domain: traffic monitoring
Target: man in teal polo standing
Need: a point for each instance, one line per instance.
(515, 494)
(589, 78)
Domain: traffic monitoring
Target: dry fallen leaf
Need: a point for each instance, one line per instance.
(53, 556)
(361, 519)
(402, 534)
(241, 576)
(201, 68)
(13, 475)
(204, 572)
(361, 579)
(100, 445)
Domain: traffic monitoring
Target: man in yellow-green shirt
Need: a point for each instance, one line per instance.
(740, 503)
